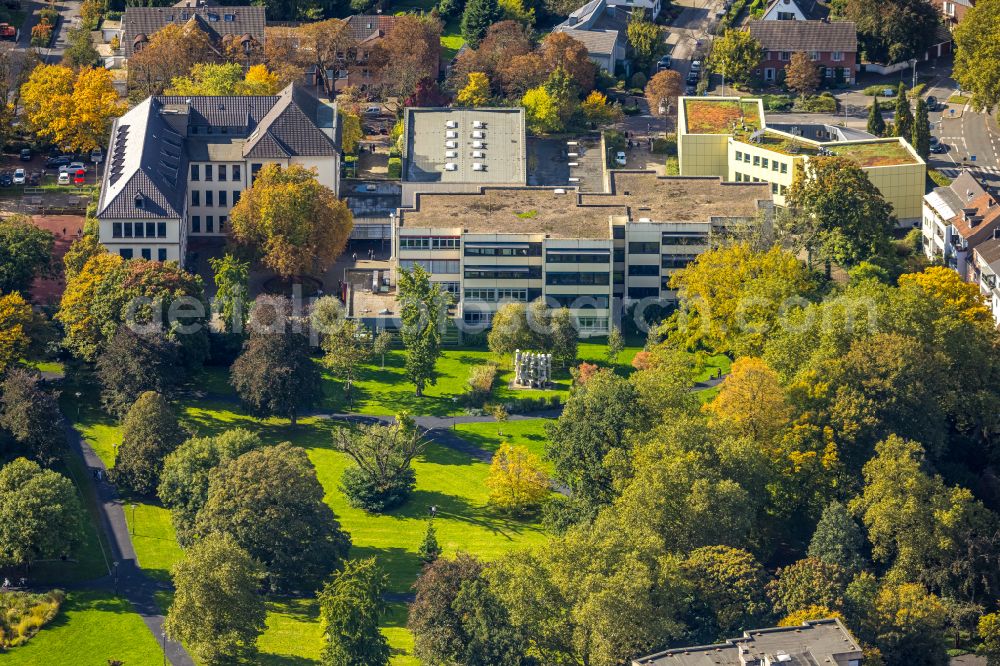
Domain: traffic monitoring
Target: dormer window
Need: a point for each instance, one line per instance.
(229, 18)
(139, 202)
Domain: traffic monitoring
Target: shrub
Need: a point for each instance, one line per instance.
(395, 167)
(638, 80)
(364, 491)
(820, 104)
(22, 614)
(777, 102)
(481, 383)
(664, 146)
(555, 401)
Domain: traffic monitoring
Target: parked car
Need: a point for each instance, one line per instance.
(26, 154)
(620, 158)
(373, 110)
(35, 178)
(689, 89)
(96, 156)
(73, 167)
(888, 92)
(19, 176)
(79, 177)
(932, 103)
(63, 178)
(664, 63)
(692, 79)
(55, 162)
(696, 66)
(934, 141)
(6, 180)
(939, 148)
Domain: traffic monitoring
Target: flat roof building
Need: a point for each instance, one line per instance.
(583, 251)
(730, 137)
(813, 642)
(461, 150)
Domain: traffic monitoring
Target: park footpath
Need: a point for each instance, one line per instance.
(126, 577)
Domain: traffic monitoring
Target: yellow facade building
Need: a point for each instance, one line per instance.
(729, 137)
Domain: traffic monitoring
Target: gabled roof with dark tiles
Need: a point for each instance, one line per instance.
(362, 27)
(806, 36)
(287, 129)
(217, 22)
(811, 9)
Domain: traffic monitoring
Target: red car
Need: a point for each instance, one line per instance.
(79, 176)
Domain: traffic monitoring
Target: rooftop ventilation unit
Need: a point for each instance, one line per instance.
(572, 143)
(451, 135)
(573, 164)
(559, 190)
(451, 144)
(645, 220)
(478, 144)
(478, 124)
(478, 166)
(451, 124)
(574, 180)
(478, 153)
(572, 154)
(450, 166)
(451, 153)
(479, 135)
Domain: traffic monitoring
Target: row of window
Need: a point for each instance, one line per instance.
(488, 295)
(683, 238)
(520, 250)
(770, 74)
(436, 266)
(224, 171)
(585, 258)
(643, 247)
(146, 253)
(762, 162)
(574, 278)
(139, 230)
(209, 224)
(677, 260)
(429, 242)
(776, 188)
(591, 324)
(210, 198)
(643, 270)
(835, 56)
(503, 273)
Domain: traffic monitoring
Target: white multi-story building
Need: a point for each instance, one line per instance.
(986, 266)
(177, 165)
(956, 220)
(585, 251)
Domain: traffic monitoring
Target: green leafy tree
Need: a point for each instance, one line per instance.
(25, 251)
(643, 36)
(351, 607)
(842, 215)
(729, 585)
(735, 55)
(837, 539)
(31, 414)
(876, 124)
(477, 18)
(921, 130)
(133, 364)
(595, 422)
(616, 345)
(977, 55)
(184, 480)
(563, 338)
(271, 502)
(150, 431)
(509, 329)
(80, 51)
(902, 124)
(989, 633)
(232, 278)
(910, 626)
(893, 31)
(383, 475)
(456, 618)
(40, 515)
(291, 221)
(429, 549)
(217, 610)
(275, 375)
(345, 350)
(808, 583)
(423, 311)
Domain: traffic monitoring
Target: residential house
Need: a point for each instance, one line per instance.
(602, 29)
(729, 137)
(953, 11)
(957, 219)
(986, 265)
(812, 642)
(365, 31)
(176, 166)
(220, 23)
(831, 45)
(795, 10)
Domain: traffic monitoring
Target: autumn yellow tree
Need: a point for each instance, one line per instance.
(351, 132)
(259, 80)
(751, 400)
(291, 221)
(516, 480)
(476, 92)
(71, 109)
(597, 110)
(15, 315)
(946, 286)
(83, 334)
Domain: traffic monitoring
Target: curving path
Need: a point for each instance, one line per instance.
(126, 577)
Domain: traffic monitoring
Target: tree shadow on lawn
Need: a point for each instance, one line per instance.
(269, 659)
(391, 402)
(458, 509)
(399, 563)
(439, 454)
(300, 609)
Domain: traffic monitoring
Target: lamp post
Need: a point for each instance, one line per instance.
(432, 510)
(163, 644)
(133, 518)
(116, 578)
(78, 394)
(913, 66)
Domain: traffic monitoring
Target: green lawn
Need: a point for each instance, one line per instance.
(91, 628)
(529, 433)
(153, 538)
